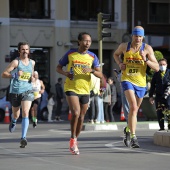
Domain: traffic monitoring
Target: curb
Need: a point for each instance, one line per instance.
(120, 126)
(162, 138)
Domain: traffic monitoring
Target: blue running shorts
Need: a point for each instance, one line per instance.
(139, 91)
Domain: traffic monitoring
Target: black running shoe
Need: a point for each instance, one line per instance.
(34, 124)
(126, 139)
(23, 142)
(12, 126)
(134, 143)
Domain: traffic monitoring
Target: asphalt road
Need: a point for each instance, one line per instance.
(99, 150)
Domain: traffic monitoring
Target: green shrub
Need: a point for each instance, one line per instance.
(158, 56)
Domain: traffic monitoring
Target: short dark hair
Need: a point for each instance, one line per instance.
(50, 95)
(22, 43)
(163, 59)
(59, 79)
(111, 78)
(80, 36)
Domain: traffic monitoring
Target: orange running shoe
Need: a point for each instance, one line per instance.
(73, 146)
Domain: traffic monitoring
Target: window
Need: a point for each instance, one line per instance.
(36, 9)
(41, 56)
(159, 12)
(107, 60)
(88, 9)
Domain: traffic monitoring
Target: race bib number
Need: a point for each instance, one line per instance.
(25, 76)
(133, 71)
(36, 93)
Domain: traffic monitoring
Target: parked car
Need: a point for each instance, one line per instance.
(43, 111)
(3, 103)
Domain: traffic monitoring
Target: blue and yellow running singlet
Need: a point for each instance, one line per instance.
(81, 82)
(135, 71)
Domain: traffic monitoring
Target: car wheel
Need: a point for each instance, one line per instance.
(2, 115)
(44, 114)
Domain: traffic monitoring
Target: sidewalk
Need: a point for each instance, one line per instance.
(120, 125)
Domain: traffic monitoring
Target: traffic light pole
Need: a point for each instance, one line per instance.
(102, 24)
(100, 48)
(100, 52)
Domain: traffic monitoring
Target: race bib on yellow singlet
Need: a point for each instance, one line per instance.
(133, 70)
(25, 76)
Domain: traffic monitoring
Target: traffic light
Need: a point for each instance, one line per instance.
(102, 25)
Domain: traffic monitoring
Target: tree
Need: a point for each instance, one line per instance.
(158, 56)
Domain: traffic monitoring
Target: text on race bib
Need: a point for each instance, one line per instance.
(25, 76)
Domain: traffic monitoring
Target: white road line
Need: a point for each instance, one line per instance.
(68, 132)
(15, 135)
(113, 146)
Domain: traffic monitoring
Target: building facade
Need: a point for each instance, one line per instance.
(154, 16)
(51, 28)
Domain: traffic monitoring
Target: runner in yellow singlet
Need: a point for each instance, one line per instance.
(80, 64)
(137, 56)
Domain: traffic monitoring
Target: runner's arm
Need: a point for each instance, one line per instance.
(7, 72)
(151, 62)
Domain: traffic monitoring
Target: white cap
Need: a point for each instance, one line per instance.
(35, 72)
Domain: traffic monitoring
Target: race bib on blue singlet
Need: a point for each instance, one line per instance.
(25, 76)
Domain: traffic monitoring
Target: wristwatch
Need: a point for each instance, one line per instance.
(146, 60)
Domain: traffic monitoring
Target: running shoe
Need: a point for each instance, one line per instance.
(23, 142)
(134, 143)
(126, 139)
(34, 124)
(73, 146)
(12, 126)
